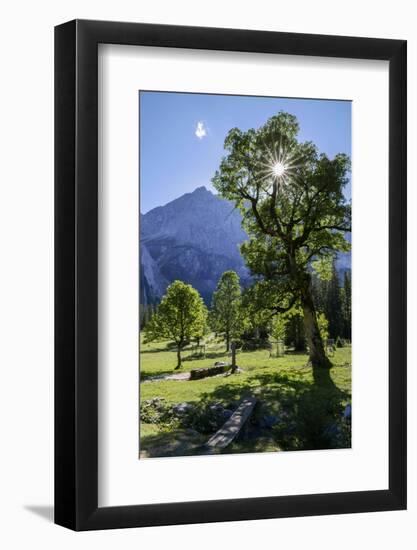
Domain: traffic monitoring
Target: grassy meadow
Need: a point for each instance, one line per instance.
(294, 411)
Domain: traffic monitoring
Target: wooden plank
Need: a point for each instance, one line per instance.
(231, 428)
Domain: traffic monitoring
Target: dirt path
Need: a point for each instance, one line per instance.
(175, 376)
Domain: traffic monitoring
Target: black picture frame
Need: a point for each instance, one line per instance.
(76, 272)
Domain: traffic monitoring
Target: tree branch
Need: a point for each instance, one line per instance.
(259, 220)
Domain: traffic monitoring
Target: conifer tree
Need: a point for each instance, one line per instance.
(333, 309)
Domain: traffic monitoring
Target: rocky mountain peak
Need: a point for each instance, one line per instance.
(193, 238)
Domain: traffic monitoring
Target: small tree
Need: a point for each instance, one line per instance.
(180, 316)
(226, 312)
(279, 326)
(278, 333)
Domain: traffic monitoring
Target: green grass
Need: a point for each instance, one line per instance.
(284, 387)
(169, 443)
(158, 358)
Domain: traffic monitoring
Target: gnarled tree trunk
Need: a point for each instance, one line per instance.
(318, 357)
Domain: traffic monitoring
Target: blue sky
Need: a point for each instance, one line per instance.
(182, 135)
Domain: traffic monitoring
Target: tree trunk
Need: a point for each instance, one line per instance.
(234, 366)
(318, 358)
(227, 341)
(178, 358)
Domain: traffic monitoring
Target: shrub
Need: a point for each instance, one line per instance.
(203, 417)
(255, 338)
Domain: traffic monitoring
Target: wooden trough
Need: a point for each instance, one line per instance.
(231, 428)
(197, 374)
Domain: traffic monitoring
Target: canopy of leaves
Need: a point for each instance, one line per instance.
(279, 325)
(179, 317)
(226, 313)
(292, 202)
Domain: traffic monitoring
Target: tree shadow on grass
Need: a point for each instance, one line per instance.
(209, 355)
(305, 408)
(173, 443)
(155, 350)
(192, 357)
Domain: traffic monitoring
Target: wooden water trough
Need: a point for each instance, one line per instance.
(231, 428)
(197, 374)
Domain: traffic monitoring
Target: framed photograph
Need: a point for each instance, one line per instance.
(230, 252)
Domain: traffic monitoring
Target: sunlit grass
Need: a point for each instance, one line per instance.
(283, 383)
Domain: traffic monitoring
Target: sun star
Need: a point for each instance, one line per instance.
(278, 169)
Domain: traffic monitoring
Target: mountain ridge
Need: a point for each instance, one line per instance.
(194, 238)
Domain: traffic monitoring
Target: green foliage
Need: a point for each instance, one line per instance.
(323, 267)
(335, 301)
(304, 214)
(279, 327)
(203, 416)
(346, 296)
(334, 305)
(256, 337)
(180, 317)
(305, 404)
(155, 411)
(292, 219)
(323, 324)
(226, 314)
(295, 332)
